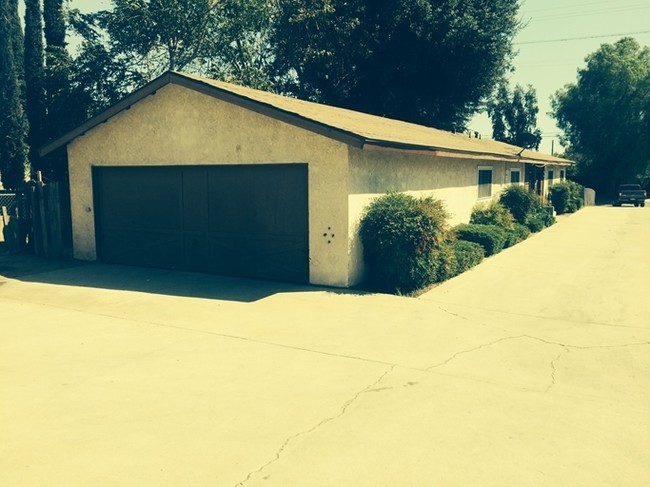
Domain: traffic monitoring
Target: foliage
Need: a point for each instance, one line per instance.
(539, 218)
(137, 40)
(13, 119)
(425, 61)
(491, 237)
(399, 234)
(604, 116)
(492, 213)
(468, 254)
(518, 234)
(444, 262)
(514, 116)
(34, 76)
(566, 196)
(519, 201)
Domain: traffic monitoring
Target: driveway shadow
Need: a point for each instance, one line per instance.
(29, 268)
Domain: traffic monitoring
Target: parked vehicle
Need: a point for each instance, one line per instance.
(630, 193)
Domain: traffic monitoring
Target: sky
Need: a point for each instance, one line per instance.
(557, 36)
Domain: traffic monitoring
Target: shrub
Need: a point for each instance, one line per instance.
(520, 232)
(491, 237)
(468, 255)
(399, 234)
(444, 262)
(540, 218)
(493, 213)
(566, 197)
(519, 201)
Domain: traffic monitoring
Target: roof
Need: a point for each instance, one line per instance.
(358, 129)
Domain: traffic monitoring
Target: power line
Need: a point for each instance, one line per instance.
(564, 7)
(584, 13)
(567, 39)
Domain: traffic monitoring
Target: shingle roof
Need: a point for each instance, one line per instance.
(355, 128)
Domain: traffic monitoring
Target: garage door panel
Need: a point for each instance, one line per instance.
(268, 203)
(249, 221)
(258, 256)
(147, 249)
(135, 199)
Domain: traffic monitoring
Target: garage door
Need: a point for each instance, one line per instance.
(243, 220)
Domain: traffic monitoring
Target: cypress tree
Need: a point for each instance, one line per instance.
(58, 67)
(34, 76)
(13, 119)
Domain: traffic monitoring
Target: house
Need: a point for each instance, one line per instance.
(195, 174)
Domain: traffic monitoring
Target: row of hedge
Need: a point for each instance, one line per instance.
(408, 243)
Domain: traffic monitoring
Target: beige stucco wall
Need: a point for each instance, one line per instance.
(178, 126)
(451, 179)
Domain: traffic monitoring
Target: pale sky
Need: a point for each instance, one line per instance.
(559, 34)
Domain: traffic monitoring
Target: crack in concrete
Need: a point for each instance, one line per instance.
(463, 352)
(480, 323)
(344, 408)
(590, 347)
(554, 368)
(530, 315)
(566, 348)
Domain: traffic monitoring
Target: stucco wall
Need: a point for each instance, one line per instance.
(178, 126)
(453, 180)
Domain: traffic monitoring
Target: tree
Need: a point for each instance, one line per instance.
(13, 120)
(514, 116)
(137, 40)
(426, 61)
(605, 116)
(34, 75)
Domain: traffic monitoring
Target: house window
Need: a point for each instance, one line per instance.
(550, 175)
(562, 175)
(515, 176)
(484, 182)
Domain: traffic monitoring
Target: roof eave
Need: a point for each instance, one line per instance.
(383, 145)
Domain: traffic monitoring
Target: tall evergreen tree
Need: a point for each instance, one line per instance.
(34, 76)
(514, 116)
(13, 119)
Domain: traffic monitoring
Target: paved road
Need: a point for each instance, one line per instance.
(531, 370)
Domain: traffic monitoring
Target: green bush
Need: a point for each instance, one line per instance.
(540, 218)
(566, 197)
(468, 255)
(444, 262)
(520, 233)
(519, 201)
(493, 213)
(399, 234)
(491, 237)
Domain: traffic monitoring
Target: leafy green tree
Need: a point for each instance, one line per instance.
(514, 116)
(34, 75)
(605, 116)
(137, 40)
(426, 61)
(13, 119)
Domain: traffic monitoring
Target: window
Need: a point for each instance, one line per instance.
(550, 174)
(515, 176)
(484, 182)
(562, 175)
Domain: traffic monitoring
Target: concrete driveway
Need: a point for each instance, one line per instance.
(531, 370)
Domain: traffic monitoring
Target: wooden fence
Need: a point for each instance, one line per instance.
(35, 222)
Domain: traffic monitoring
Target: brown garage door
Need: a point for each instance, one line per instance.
(240, 220)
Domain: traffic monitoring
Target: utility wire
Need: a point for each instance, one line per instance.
(567, 39)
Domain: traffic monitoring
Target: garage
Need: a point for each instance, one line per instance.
(236, 220)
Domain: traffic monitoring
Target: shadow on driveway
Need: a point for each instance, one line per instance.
(29, 268)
